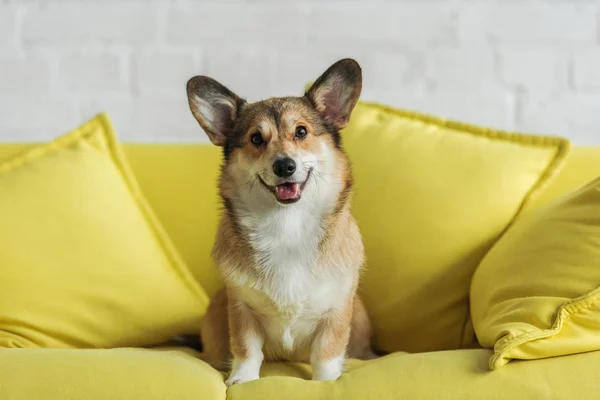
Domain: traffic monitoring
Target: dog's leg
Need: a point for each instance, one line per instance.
(246, 343)
(329, 346)
(359, 345)
(214, 332)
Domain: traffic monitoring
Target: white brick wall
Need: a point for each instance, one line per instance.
(531, 65)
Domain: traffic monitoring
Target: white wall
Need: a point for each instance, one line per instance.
(532, 65)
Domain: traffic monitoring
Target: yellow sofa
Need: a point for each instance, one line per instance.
(168, 175)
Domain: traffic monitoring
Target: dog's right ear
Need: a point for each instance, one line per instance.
(214, 106)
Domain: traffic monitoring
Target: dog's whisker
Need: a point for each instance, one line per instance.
(314, 162)
(253, 183)
(233, 186)
(322, 175)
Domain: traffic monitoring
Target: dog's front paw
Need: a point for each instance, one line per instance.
(244, 370)
(240, 378)
(328, 370)
(326, 376)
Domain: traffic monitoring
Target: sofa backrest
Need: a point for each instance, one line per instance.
(582, 165)
(179, 180)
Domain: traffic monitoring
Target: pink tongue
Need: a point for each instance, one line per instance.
(287, 191)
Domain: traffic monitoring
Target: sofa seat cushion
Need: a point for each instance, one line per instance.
(117, 374)
(177, 373)
(448, 375)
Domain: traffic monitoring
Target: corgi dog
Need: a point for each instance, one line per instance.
(287, 245)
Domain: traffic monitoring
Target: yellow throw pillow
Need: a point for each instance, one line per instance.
(537, 293)
(83, 261)
(431, 198)
(188, 205)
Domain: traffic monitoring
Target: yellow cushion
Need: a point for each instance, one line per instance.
(582, 165)
(431, 198)
(84, 261)
(171, 373)
(125, 374)
(537, 293)
(448, 375)
(180, 181)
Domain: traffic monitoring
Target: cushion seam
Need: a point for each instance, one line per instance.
(465, 324)
(565, 311)
(153, 223)
(474, 130)
(35, 153)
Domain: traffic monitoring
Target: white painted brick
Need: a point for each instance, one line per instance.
(586, 70)
(386, 75)
(529, 21)
(88, 75)
(165, 120)
(247, 71)
(395, 72)
(36, 118)
(295, 67)
(544, 115)
(77, 23)
(582, 137)
(8, 25)
(409, 99)
(119, 108)
(193, 23)
(396, 23)
(467, 70)
(63, 60)
(574, 115)
(495, 111)
(164, 73)
(24, 75)
(539, 69)
(149, 118)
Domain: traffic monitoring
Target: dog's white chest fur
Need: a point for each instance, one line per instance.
(292, 286)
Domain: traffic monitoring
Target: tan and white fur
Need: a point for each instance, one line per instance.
(287, 245)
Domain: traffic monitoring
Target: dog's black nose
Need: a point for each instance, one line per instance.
(284, 167)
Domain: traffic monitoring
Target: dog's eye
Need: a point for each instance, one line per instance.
(256, 139)
(301, 132)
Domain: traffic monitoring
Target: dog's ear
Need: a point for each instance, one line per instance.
(214, 106)
(336, 92)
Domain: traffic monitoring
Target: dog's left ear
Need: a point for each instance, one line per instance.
(336, 92)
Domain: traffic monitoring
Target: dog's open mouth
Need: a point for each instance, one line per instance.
(288, 192)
